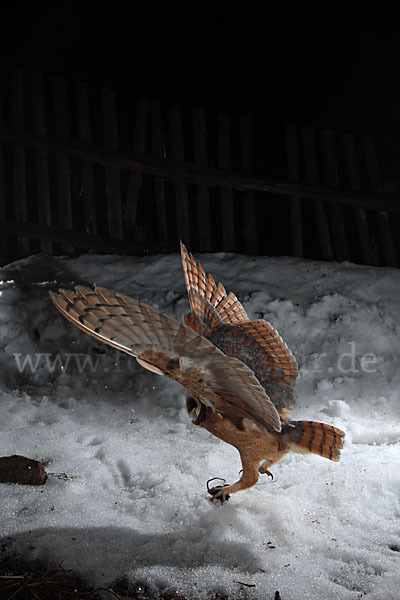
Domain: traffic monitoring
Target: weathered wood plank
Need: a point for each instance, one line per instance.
(174, 170)
(139, 147)
(181, 189)
(157, 150)
(86, 167)
(72, 238)
(203, 191)
(3, 243)
(354, 177)
(335, 210)
(42, 161)
(113, 175)
(224, 163)
(64, 193)
(19, 164)
(310, 158)
(375, 182)
(249, 204)
(295, 202)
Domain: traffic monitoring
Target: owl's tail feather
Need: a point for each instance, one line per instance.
(315, 437)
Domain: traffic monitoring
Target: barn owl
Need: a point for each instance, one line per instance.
(239, 374)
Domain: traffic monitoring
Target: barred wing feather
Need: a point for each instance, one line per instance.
(200, 285)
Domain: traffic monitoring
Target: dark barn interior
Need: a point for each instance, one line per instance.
(262, 130)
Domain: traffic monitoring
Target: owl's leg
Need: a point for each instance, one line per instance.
(248, 478)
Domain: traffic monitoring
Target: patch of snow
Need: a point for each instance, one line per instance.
(126, 492)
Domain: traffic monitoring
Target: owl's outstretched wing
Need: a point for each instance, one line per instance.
(222, 319)
(203, 291)
(164, 346)
(261, 348)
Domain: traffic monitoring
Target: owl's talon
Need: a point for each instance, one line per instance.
(213, 479)
(264, 471)
(218, 493)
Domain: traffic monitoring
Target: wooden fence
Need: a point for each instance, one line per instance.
(80, 171)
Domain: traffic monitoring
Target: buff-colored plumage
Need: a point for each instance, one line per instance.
(239, 373)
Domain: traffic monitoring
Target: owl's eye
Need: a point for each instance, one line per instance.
(191, 404)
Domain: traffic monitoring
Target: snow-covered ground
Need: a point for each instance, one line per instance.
(126, 493)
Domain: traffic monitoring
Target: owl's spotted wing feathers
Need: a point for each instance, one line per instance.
(204, 311)
(223, 320)
(167, 347)
(261, 348)
(271, 349)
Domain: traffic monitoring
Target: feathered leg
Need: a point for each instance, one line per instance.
(248, 478)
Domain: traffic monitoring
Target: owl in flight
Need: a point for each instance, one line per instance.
(239, 374)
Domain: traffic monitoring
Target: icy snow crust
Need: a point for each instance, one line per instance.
(126, 493)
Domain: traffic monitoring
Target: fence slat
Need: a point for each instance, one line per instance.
(353, 173)
(224, 162)
(113, 179)
(86, 167)
(19, 164)
(181, 188)
(249, 206)
(335, 210)
(310, 157)
(157, 150)
(42, 161)
(375, 181)
(191, 173)
(64, 194)
(203, 224)
(3, 244)
(139, 147)
(78, 239)
(295, 202)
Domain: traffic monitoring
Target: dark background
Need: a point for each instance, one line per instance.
(333, 63)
